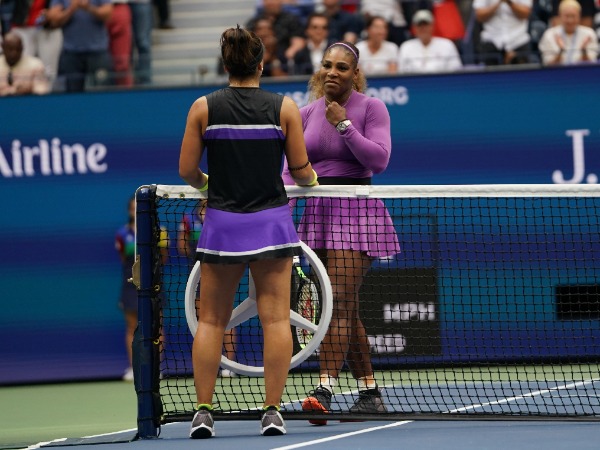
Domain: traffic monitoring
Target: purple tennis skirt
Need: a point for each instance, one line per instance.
(361, 224)
(231, 238)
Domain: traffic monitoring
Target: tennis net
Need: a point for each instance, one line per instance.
(490, 308)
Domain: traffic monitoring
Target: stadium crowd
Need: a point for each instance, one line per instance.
(84, 43)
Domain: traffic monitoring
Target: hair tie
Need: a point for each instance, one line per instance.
(259, 57)
(347, 46)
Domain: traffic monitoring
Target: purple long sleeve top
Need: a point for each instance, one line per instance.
(363, 150)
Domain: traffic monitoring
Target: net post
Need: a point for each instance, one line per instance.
(143, 352)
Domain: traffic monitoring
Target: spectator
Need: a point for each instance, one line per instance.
(569, 42)
(504, 38)
(119, 42)
(377, 55)
(308, 60)
(6, 13)
(275, 64)
(343, 25)
(448, 21)
(391, 11)
(427, 53)
(300, 8)
(39, 38)
(85, 45)
(141, 22)
(588, 12)
(274, 60)
(163, 10)
(20, 74)
(287, 27)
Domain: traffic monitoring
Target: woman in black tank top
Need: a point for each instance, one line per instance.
(245, 132)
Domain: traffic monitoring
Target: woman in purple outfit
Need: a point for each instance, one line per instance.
(348, 140)
(245, 131)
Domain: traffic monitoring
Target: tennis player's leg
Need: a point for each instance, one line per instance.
(229, 344)
(345, 269)
(217, 291)
(346, 339)
(359, 352)
(273, 284)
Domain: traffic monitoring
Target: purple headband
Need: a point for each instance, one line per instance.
(347, 46)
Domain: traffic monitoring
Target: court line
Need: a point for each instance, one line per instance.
(341, 436)
(55, 441)
(39, 444)
(109, 434)
(523, 396)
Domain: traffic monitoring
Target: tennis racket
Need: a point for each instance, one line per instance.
(306, 301)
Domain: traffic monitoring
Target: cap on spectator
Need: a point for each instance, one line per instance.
(422, 16)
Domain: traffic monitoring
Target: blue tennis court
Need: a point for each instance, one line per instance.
(426, 432)
(425, 435)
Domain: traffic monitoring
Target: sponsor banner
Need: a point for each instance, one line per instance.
(69, 164)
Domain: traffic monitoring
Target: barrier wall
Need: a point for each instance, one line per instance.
(69, 163)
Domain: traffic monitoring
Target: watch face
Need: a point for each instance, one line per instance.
(342, 126)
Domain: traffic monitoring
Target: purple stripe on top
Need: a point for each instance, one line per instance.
(237, 132)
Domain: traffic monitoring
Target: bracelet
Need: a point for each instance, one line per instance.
(291, 169)
(205, 187)
(313, 182)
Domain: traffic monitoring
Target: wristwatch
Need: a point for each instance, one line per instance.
(343, 125)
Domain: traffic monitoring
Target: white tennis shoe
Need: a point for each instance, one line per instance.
(271, 423)
(203, 425)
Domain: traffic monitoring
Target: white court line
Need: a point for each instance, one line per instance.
(109, 434)
(341, 436)
(55, 441)
(39, 444)
(465, 408)
(523, 396)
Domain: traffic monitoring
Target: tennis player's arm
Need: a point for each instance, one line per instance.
(374, 148)
(295, 148)
(192, 146)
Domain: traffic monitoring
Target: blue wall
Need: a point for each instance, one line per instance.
(59, 272)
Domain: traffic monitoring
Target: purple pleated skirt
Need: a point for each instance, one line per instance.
(231, 238)
(361, 224)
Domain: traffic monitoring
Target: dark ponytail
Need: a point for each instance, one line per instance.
(242, 51)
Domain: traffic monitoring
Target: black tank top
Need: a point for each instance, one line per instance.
(245, 146)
